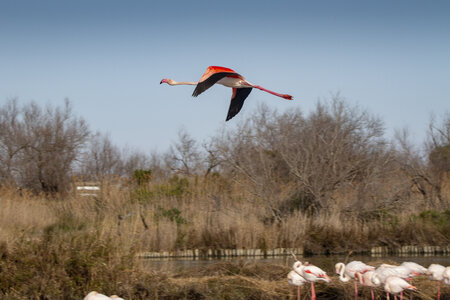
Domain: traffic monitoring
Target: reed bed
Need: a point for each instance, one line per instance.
(63, 247)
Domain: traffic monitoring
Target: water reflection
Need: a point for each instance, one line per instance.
(174, 265)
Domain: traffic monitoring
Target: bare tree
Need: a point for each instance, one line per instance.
(184, 156)
(428, 167)
(101, 158)
(287, 157)
(42, 145)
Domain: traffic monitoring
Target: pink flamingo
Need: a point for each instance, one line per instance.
(229, 78)
(436, 272)
(365, 279)
(295, 279)
(395, 285)
(416, 270)
(312, 274)
(384, 271)
(349, 271)
(446, 276)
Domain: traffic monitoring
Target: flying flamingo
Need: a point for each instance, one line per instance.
(349, 271)
(312, 274)
(229, 78)
(395, 285)
(295, 279)
(436, 272)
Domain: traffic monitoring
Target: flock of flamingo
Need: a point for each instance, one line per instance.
(394, 279)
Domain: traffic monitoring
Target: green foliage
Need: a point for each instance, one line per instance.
(142, 176)
(438, 220)
(172, 214)
(177, 186)
(142, 195)
(66, 223)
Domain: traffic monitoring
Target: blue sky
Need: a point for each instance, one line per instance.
(389, 57)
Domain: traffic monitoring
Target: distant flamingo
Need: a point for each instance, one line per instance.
(229, 78)
(96, 296)
(416, 270)
(312, 274)
(295, 279)
(366, 280)
(446, 276)
(385, 270)
(436, 272)
(395, 285)
(349, 271)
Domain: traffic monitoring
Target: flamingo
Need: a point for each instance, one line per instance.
(384, 271)
(436, 272)
(395, 285)
(312, 274)
(366, 280)
(229, 78)
(416, 270)
(295, 279)
(349, 271)
(446, 276)
(96, 296)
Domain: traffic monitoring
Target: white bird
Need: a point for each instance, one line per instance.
(349, 271)
(436, 272)
(96, 296)
(446, 276)
(366, 280)
(312, 274)
(395, 285)
(415, 268)
(384, 271)
(295, 279)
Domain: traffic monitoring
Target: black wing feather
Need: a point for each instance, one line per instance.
(237, 102)
(206, 84)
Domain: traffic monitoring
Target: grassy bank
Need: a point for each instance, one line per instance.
(62, 248)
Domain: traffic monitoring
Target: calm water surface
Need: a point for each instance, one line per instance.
(327, 263)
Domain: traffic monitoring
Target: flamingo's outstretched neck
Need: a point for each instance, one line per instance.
(173, 82)
(285, 96)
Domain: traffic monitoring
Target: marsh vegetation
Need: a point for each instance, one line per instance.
(328, 182)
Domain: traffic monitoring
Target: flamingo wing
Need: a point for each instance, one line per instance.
(237, 101)
(210, 81)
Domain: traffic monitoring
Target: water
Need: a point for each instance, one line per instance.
(173, 265)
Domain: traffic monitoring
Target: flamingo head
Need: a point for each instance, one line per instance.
(339, 268)
(297, 265)
(165, 80)
(412, 288)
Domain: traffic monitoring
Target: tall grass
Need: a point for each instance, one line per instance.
(61, 248)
